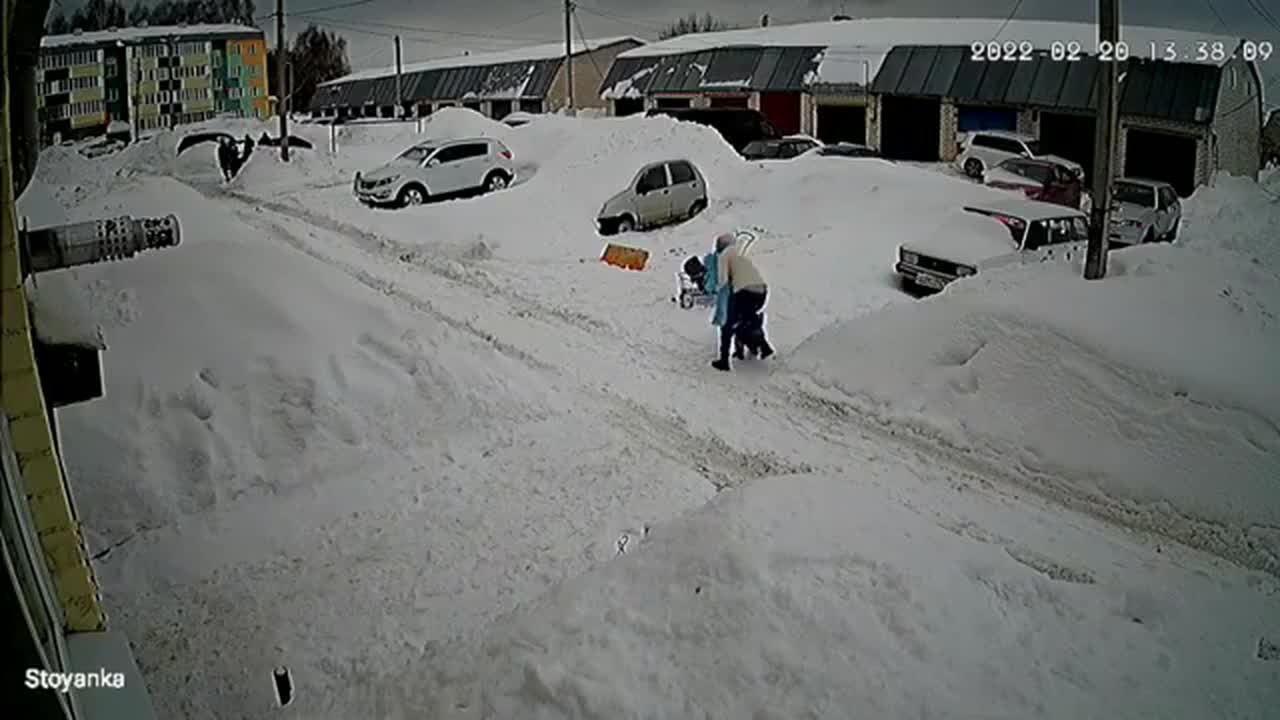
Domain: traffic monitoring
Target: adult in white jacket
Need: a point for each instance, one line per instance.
(747, 294)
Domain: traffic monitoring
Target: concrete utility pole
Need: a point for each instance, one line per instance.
(399, 111)
(282, 61)
(1095, 263)
(568, 52)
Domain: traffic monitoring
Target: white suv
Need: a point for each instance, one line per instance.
(437, 168)
(984, 149)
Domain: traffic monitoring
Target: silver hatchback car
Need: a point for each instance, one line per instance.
(438, 168)
(662, 192)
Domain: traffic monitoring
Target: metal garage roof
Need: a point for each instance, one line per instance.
(777, 69)
(1183, 92)
(509, 81)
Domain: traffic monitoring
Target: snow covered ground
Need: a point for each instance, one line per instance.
(399, 451)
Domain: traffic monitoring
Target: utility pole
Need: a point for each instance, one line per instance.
(399, 87)
(1095, 262)
(568, 52)
(282, 62)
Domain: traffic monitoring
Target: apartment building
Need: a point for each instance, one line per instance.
(149, 77)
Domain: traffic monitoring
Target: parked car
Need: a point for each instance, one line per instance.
(987, 236)
(1038, 179)
(662, 192)
(983, 149)
(436, 169)
(1144, 211)
(779, 149)
(844, 149)
(737, 126)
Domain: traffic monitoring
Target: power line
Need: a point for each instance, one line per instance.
(587, 48)
(341, 6)
(1264, 14)
(426, 31)
(1016, 7)
(624, 20)
(1214, 9)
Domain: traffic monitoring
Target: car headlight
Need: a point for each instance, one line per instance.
(965, 270)
(910, 258)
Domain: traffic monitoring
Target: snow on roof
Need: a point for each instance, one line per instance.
(152, 32)
(855, 48)
(531, 53)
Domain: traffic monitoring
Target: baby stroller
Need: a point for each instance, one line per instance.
(692, 285)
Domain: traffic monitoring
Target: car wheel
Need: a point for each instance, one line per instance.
(495, 182)
(626, 224)
(697, 207)
(412, 195)
(973, 168)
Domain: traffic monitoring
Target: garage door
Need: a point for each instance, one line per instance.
(842, 123)
(909, 128)
(783, 110)
(729, 101)
(1069, 136)
(970, 118)
(1162, 156)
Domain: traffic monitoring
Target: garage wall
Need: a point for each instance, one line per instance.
(1029, 123)
(947, 132)
(808, 114)
(1238, 120)
(874, 109)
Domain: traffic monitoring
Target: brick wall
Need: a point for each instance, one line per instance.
(873, 122)
(1238, 120)
(948, 126)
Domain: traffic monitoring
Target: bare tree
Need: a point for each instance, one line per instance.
(691, 24)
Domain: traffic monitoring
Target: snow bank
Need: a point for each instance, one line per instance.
(287, 441)
(1155, 387)
(805, 596)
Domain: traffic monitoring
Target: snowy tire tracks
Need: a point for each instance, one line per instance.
(809, 410)
(1231, 543)
(713, 458)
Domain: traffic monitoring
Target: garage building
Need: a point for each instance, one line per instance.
(1180, 122)
(531, 79)
(908, 86)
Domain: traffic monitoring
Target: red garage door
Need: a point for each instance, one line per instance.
(783, 110)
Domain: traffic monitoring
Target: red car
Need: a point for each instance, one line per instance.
(1038, 179)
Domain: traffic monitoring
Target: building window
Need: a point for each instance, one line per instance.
(113, 95)
(113, 68)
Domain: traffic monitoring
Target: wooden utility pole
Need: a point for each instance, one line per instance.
(568, 52)
(399, 111)
(1095, 262)
(282, 62)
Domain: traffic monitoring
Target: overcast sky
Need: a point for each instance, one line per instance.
(435, 28)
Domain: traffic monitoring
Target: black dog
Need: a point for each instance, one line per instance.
(749, 337)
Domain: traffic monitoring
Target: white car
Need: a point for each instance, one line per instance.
(992, 235)
(437, 168)
(984, 149)
(662, 192)
(1144, 211)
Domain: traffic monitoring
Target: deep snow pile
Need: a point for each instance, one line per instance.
(806, 596)
(289, 467)
(827, 228)
(1150, 396)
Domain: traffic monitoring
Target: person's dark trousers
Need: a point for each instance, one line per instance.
(742, 304)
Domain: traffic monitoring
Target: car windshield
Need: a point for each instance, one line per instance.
(415, 155)
(1135, 194)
